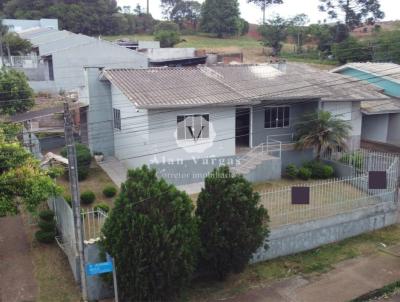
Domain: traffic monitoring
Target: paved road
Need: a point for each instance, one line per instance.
(348, 280)
(17, 281)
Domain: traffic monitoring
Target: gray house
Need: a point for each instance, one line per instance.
(185, 122)
(60, 56)
(381, 120)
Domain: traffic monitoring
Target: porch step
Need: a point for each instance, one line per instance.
(251, 162)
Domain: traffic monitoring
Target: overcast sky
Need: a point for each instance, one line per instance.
(290, 8)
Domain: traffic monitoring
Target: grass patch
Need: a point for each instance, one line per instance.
(95, 182)
(52, 271)
(384, 292)
(199, 41)
(308, 263)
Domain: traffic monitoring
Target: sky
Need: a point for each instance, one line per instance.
(290, 8)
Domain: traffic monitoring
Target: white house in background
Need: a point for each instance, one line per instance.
(60, 57)
(186, 121)
(18, 25)
(381, 121)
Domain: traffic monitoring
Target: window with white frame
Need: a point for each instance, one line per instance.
(277, 117)
(117, 118)
(193, 126)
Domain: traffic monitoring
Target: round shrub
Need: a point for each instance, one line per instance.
(110, 191)
(291, 171)
(304, 173)
(319, 170)
(46, 215)
(45, 236)
(48, 226)
(103, 207)
(88, 197)
(83, 157)
(328, 171)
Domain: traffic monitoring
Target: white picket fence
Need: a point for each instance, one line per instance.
(339, 195)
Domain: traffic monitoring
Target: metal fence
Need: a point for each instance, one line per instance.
(336, 196)
(92, 222)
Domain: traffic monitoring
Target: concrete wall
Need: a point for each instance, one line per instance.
(148, 44)
(297, 238)
(100, 114)
(375, 127)
(159, 54)
(98, 289)
(162, 144)
(19, 25)
(296, 112)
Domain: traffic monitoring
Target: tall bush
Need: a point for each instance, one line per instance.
(16, 94)
(84, 159)
(232, 222)
(152, 234)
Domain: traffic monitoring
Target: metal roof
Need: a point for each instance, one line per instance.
(389, 71)
(376, 107)
(233, 84)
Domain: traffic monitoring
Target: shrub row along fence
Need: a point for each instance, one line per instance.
(339, 195)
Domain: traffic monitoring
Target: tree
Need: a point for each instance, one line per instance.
(264, 4)
(274, 33)
(186, 11)
(386, 47)
(232, 222)
(322, 34)
(167, 33)
(298, 30)
(355, 11)
(153, 236)
(351, 50)
(83, 158)
(220, 17)
(15, 45)
(244, 27)
(322, 131)
(22, 181)
(16, 95)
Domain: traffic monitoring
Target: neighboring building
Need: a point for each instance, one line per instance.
(381, 121)
(18, 25)
(62, 55)
(175, 57)
(193, 119)
(137, 45)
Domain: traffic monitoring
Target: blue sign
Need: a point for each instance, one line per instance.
(93, 269)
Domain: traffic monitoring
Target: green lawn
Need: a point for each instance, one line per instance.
(199, 41)
(309, 263)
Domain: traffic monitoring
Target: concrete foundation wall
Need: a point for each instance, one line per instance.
(297, 238)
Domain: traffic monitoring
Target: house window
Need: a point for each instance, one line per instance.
(277, 117)
(193, 127)
(117, 119)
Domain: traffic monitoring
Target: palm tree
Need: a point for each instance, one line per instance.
(323, 131)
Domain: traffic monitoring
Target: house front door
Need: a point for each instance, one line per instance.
(243, 127)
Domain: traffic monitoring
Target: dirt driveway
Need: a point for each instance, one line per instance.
(17, 280)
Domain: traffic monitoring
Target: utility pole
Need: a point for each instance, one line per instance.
(148, 7)
(74, 186)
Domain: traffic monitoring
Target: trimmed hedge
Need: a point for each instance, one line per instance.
(319, 170)
(47, 226)
(88, 197)
(110, 191)
(103, 207)
(291, 171)
(304, 173)
(45, 236)
(84, 159)
(46, 215)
